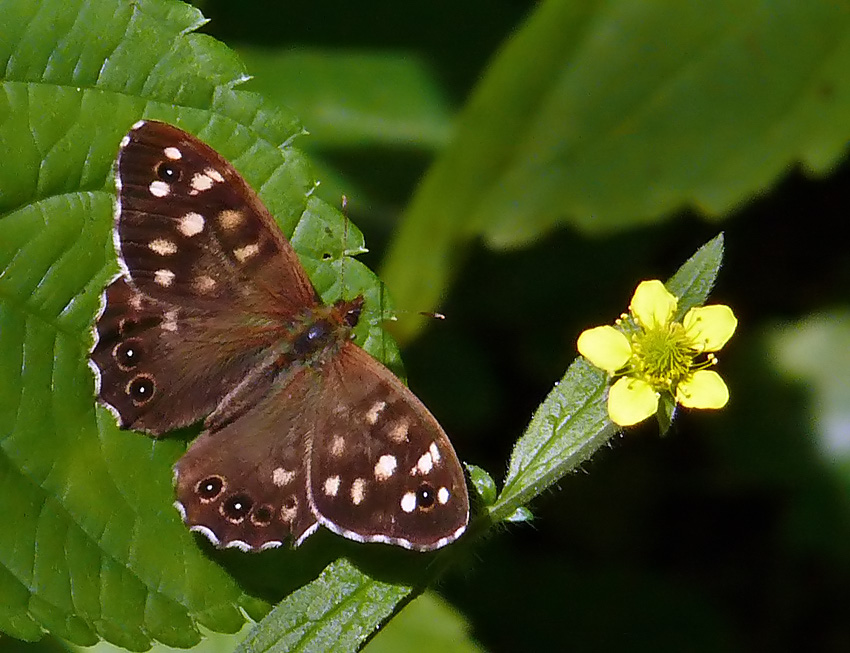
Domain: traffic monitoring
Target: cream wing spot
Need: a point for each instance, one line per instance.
(408, 502)
(281, 476)
(159, 188)
(435, 453)
(358, 491)
(374, 412)
(443, 495)
(214, 174)
(204, 283)
(398, 433)
(289, 510)
(163, 247)
(164, 277)
(229, 219)
(191, 224)
(424, 465)
(385, 467)
(242, 254)
(172, 153)
(200, 182)
(169, 322)
(337, 446)
(332, 486)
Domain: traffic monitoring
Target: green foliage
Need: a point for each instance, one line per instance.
(603, 116)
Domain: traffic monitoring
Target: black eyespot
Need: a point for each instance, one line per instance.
(127, 354)
(262, 515)
(168, 172)
(210, 488)
(425, 496)
(236, 507)
(141, 389)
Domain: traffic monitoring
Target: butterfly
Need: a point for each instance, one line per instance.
(214, 318)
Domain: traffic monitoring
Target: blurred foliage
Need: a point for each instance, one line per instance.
(731, 533)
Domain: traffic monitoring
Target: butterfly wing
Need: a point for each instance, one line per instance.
(381, 468)
(344, 444)
(209, 282)
(244, 484)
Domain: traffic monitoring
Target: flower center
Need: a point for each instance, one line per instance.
(663, 355)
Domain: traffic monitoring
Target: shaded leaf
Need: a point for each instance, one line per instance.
(587, 117)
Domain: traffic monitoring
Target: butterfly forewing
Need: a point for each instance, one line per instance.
(191, 229)
(214, 317)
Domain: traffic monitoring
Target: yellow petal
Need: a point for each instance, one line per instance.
(705, 389)
(605, 347)
(710, 326)
(652, 304)
(631, 401)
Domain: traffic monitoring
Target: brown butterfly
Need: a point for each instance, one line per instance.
(214, 318)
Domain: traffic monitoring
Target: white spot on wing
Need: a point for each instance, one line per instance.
(163, 247)
(337, 446)
(358, 491)
(200, 182)
(159, 188)
(289, 513)
(230, 219)
(332, 486)
(281, 476)
(244, 253)
(408, 502)
(385, 467)
(443, 495)
(204, 283)
(398, 433)
(173, 153)
(214, 174)
(164, 277)
(169, 322)
(424, 465)
(435, 453)
(191, 224)
(373, 413)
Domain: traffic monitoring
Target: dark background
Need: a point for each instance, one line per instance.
(731, 533)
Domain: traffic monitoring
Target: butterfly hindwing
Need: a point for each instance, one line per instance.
(383, 469)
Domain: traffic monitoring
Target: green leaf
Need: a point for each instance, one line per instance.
(354, 99)
(572, 422)
(97, 550)
(589, 118)
(338, 611)
(425, 625)
(483, 483)
(694, 280)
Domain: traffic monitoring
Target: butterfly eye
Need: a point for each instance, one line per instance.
(210, 488)
(236, 507)
(168, 172)
(425, 496)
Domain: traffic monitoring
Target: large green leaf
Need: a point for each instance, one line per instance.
(96, 549)
(604, 116)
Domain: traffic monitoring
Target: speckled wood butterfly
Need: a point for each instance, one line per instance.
(214, 318)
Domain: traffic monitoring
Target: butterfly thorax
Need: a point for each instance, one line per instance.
(320, 330)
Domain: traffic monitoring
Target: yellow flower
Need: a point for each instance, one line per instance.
(654, 355)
